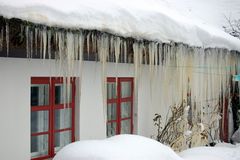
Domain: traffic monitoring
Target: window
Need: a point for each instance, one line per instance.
(119, 106)
(52, 116)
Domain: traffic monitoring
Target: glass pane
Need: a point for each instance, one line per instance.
(111, 90)
(39, 121)
(125, 109)
(62, 139)
(126, 126)
(111, 129)
(63, 118)
(39, 94)
(111, 111)
(60, 91)
(125, 89)
(39, 145)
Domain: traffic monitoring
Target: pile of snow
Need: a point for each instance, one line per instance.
(222, 151)
(140, 19)
(121, 147)
(133, 147)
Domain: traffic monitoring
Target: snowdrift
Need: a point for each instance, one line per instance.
(220, 152)
(120, 147)
(133, 147)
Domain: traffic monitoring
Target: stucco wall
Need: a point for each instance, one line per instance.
(15, 75)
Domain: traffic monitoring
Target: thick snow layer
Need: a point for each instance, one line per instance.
(141, 19)
(133, 147)
(212, 12)
(220, 152)
(121, 147)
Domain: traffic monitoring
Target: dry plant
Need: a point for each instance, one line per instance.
(233, 27)
(180, 134)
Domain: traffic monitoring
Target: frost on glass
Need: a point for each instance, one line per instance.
(61, 94)
(111, 111)
(126, 126)
(126, 89)
(111, 90)
(62, 118)
(39, 146)
(39, 94)
(39, 121)
(61, 139)
(111, 129)
(126, 109)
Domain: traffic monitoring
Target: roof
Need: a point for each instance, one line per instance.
(155, 20)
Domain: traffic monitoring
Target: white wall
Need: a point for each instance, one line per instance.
(15, 75)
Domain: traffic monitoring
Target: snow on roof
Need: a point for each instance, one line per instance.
(141, 19)
(212, 12)
(120, 147)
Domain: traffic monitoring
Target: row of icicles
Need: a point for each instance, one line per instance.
(173, 68)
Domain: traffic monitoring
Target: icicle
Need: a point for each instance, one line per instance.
(70, 60)
(49, 35)
(44, 39)
(1, 39)
(27, 40)
(76, 45)
(103, 51)
(93, 43)
(88, 45)
(41, 44)
(80, 53)
(31, 43)
(36, 40)
(81, 46)
(136, 53)
(125, 51)
(7, 37)
(117, 44)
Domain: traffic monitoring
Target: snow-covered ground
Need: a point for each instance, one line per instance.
(157, 20)
(133, 147)
(219, 152)
(121, 147)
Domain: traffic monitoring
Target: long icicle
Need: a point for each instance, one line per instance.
(36, 40)
(49, 35)
(27, 40)
(44, 40)
(7, 37)
(1, 39)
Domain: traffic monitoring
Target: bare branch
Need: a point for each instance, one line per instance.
(233, 27)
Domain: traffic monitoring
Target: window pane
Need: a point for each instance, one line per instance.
(111, 129)
(126, 126)
(125, 109)
(63, 118)
(125, 89)
(39, 121)
(39, 145)
(111, 111)
(39, 94)
(62, 139)
(60, 91)
(111, 90)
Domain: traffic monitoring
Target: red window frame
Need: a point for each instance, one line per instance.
(118, 100)
(51, 108)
